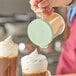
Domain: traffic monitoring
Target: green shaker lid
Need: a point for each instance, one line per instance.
(40, 32)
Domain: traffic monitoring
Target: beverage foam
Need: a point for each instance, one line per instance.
(8, 48)
(34, 63)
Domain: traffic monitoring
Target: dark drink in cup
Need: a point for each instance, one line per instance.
(35, 74)
(8, 57)
(34, 65)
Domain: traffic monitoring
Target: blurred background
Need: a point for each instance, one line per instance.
(15, 16)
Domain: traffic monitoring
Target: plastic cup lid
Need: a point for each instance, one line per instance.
(40, 32)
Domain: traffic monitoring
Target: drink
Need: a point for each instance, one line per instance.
(8, 67)
(35, 74)
(34, 65)
(8, 58)
(42, 31)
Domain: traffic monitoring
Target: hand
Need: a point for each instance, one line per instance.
(42, 6)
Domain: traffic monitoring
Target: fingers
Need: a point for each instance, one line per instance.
(43, 3)
(39, 12)
(43, 6)
(48, 10)
(45, 12)
(34, 4)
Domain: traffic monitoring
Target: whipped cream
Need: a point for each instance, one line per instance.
(8, 48)
(34, 63)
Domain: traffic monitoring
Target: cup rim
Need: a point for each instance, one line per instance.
(63, 24)
(63, 27)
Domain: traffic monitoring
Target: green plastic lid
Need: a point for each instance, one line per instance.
(40, 32)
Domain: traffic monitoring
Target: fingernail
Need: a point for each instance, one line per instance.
(39, 5)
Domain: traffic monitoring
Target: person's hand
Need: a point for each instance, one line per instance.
(42, 6)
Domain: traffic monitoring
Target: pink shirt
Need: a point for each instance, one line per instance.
(67, 61)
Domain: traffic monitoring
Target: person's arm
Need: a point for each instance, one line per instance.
(60, 3)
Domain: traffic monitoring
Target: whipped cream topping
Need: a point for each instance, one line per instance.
(34, 63)
(8, 48)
